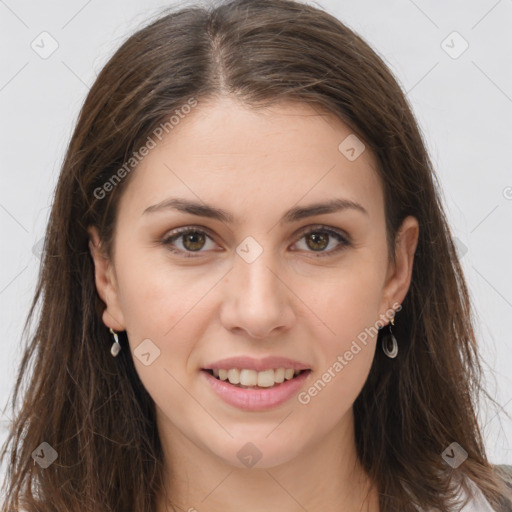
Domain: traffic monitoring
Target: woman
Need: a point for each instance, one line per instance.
(250, 294)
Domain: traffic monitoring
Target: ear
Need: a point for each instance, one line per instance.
(399, 273)
(106, 283)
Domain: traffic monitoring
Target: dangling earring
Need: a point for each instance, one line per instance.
(389, 343)
(116, 346)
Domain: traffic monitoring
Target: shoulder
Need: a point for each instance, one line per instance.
(477, 501)
(505, 473)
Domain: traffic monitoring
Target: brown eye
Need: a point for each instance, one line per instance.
(194, 240)
(318, 241)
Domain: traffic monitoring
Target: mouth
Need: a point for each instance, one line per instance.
(245, 378)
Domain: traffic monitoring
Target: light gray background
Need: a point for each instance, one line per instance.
(463, 105)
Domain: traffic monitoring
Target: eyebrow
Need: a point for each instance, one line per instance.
(293, 215)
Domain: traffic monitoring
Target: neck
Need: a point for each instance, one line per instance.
(327, 477)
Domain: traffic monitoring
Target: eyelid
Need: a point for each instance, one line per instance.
(344, 239)
(322, 227)
(175, 234)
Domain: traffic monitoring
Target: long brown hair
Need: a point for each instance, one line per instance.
(93, 410)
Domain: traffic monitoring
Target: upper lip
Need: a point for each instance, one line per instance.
(250, 363)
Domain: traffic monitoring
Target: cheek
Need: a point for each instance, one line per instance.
(346, 300)
(161, 303)
(332, 394)
(338, 380)
(155, 294)
(346, 308)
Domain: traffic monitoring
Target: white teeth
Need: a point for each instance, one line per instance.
(279, 375)
(288, 374)
(263, 379)
(266, 379)
(234, 376)
(248, 377)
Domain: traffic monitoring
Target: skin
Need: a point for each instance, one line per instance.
(289, 302)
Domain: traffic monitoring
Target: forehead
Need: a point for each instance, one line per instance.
(223, 152)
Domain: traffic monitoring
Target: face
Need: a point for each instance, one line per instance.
(264, 284)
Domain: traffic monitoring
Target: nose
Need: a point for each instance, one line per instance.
(258, 301)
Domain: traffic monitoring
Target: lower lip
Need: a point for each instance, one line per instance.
(256, 399)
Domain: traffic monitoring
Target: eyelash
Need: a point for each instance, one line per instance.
(174, 235)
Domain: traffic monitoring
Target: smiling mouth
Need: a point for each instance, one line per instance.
(251, 379)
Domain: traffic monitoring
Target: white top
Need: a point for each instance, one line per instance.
(476, 503)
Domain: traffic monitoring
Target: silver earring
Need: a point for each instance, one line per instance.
(116, 346)
(389, 343)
